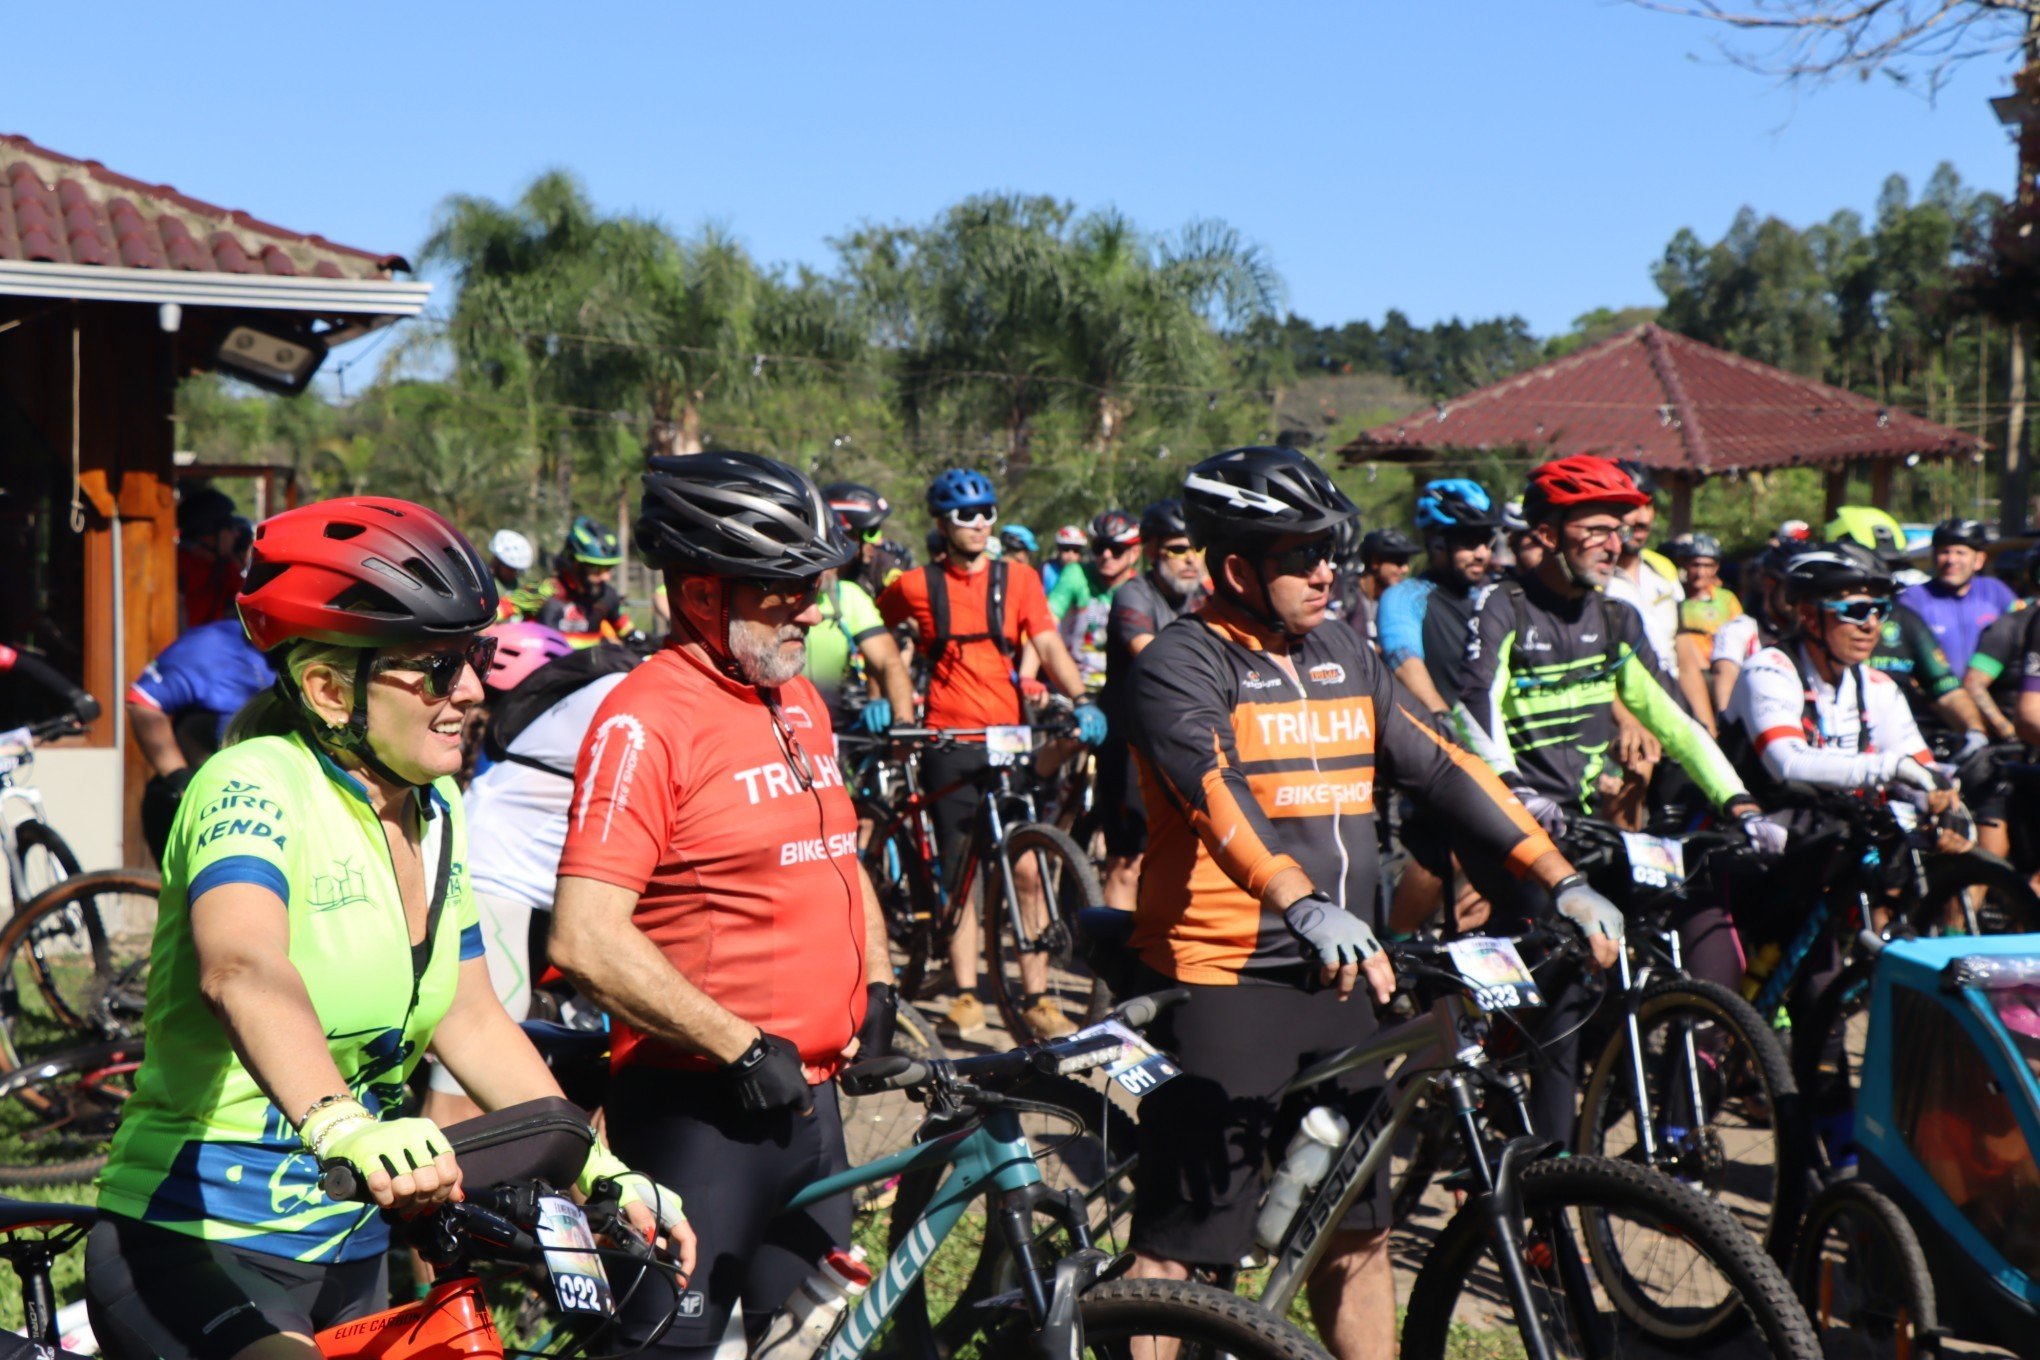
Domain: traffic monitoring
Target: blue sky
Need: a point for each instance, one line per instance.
(1450, 157)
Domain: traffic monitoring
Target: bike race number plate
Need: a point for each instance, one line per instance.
(579, 1282)
(1009, 745)
(1135, 1064)
(1654, 861)
(1500, 978)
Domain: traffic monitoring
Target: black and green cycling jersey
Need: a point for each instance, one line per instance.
(1907, 652)
(1543, 672)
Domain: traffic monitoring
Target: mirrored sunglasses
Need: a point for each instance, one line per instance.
(442, 669)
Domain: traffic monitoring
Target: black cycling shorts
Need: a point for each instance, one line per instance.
(152, 1292)
(1205, 1135)
(941, 767)
(733, 1170)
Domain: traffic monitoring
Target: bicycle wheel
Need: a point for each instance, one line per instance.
(972, 1263)
(879, 1125)
(58, 1114)
(1038, 977)
(1703, 1263)
(1974, 894)
(75, 963)
(46, 859)
(1745, 1144)
(906, 894)
(1862, 1277)
(1122, 1318)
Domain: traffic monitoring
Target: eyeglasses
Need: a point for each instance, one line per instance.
(442, 669)
(797, 595)
(1863, 609)
(1303, 559)
(1595, 533)
(1177, 552)
(979, 517)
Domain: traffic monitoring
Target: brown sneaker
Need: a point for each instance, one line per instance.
(1045, 1017)
(966, 1015)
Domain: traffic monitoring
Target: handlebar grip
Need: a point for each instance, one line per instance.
(1142, 1010)
(892, 1073)
(338, 1180)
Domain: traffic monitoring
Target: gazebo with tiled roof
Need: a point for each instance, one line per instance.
(1686, 410)
(113, 288)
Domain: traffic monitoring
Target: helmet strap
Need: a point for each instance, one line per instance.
(1265, 616)
(349, 738)
(718, 652)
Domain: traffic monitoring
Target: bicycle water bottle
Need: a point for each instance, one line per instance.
(816, 1309)
(1303, 1166)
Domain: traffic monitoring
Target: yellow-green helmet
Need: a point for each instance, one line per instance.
(1869, 527)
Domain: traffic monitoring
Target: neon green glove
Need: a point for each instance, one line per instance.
(398, 1146)
(602, 1164)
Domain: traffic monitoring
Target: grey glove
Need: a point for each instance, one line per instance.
(1765, 836)
(1973, 741)
(1592, 913)
(1911, 772)
(1541, 806)
(1336, 935)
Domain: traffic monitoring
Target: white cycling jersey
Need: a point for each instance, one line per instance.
(1811, 732)
(1737, 640)
(517, 816)
(1657, 599)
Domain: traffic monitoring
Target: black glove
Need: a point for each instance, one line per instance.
(769, 1076)
(881, 1015)
(160, 797)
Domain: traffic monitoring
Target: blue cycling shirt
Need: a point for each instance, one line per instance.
(213, 668)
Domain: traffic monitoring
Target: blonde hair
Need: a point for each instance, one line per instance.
(270, 713)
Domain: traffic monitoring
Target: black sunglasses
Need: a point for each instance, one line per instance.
(442, 669)
(800, 593)
(1303, 559)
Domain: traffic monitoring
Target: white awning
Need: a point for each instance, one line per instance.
(190, 288)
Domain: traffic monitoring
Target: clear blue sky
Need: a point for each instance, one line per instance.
(1450, 157)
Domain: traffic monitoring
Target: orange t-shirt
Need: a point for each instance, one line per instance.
(972, 685)
(747, 878)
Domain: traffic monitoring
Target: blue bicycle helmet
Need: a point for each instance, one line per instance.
(1456, 503)
(960, 489)
(1020, 536)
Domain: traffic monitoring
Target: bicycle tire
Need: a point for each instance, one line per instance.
(2009, 907)
(1898, 1286)
(58, 1114)
(1101, 1168)
(36, 834)
(906, 895)
(1208, 1322)
(1753, 1056)
(76, 963)
(1552, 1193)
(1069, 884)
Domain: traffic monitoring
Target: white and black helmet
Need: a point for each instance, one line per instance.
(740, 515)
(1258, 493)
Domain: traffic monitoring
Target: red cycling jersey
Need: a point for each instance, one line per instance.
(747, 877)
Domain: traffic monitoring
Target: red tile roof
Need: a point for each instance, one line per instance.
(62, 210)
(1670, 402)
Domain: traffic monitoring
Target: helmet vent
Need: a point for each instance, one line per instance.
(423, 571)
(463, 568)
(341, 529)
(363, 598)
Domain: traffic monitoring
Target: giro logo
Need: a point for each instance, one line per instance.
(627, 735)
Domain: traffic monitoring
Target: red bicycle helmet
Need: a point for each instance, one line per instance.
(363, 571)
(1582, 479)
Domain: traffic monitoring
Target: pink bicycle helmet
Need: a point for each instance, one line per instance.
(521, 648)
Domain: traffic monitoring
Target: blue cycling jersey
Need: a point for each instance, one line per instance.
(213, 668)
(1957, 621)
(1427, 618)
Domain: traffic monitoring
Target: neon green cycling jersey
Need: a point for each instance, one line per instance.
(201, 1150)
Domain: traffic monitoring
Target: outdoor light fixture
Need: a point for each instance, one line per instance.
(276, 358)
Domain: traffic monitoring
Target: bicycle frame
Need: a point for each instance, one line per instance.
(991, 1154)
(451, 1320)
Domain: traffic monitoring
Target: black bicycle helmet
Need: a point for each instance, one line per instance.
(1387, 543)
(1970, 533)
(203, 510)
(1163, 521)
(1113, 529)
(860, 507)
(1645, 479)
(1258, 493)
(737, 514)
(1833, 568)
(592, 544)
(1346, 543)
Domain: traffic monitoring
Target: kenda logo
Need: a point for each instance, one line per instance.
(624, 736)
(1324, 726)
(1355, 794)
(842, 845)
(776, 780)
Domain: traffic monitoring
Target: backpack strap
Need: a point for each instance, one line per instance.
(995, 612)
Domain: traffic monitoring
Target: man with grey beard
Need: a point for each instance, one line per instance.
(710, 896)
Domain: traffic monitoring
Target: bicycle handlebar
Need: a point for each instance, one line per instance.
(85, 709)
(993, 1070)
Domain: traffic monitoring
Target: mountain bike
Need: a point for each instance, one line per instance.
(1593, 1256)
(1689, 1079)
(1034, 879)
(1039, 1285)
(32, 854)
(74, 964)
(58, 1112)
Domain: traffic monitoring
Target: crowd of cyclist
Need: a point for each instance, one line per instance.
(397, 778)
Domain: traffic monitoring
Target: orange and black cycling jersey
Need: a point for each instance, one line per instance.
(1246, 774)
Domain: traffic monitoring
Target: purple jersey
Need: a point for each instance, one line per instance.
(1957, 621)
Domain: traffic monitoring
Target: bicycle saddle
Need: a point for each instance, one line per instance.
(21, 1213)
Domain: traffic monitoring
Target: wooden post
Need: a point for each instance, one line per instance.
(1837, 490)
(1683, 489)
(1880, 483)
